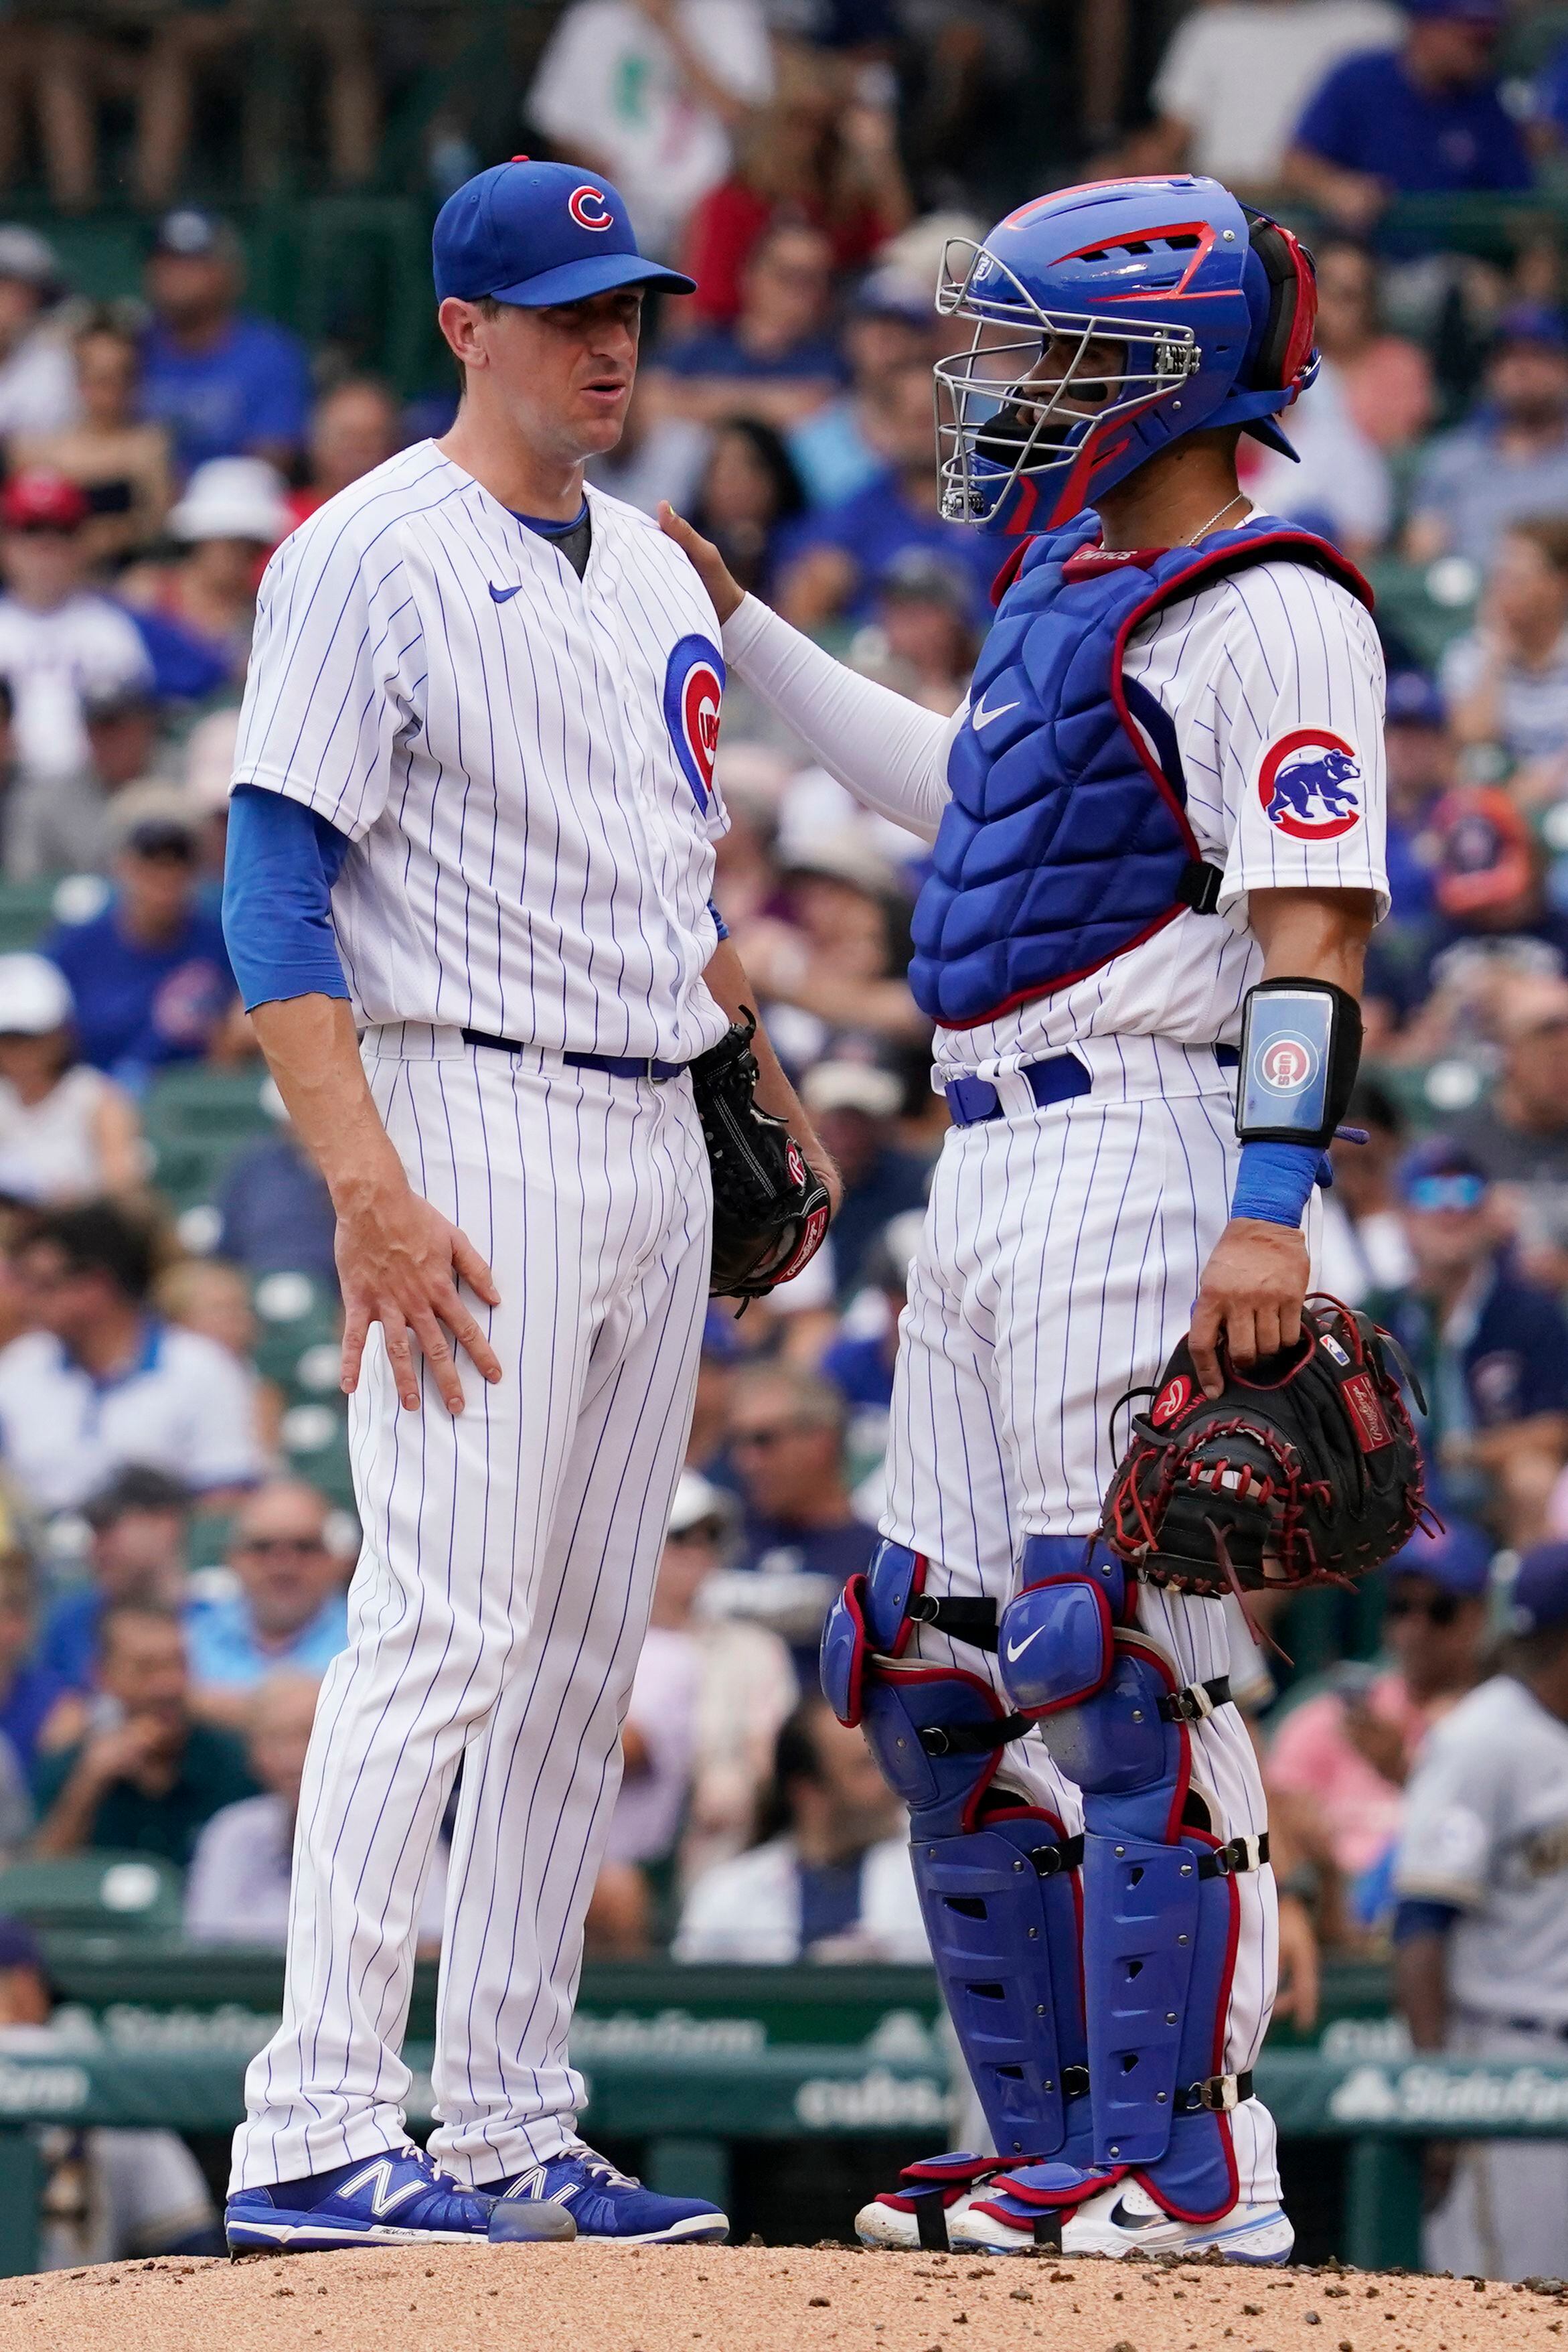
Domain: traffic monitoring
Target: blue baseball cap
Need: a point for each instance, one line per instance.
(1469, 11)
(1531, 323)
(1457, 1557)
(1413, 700)
(537, 233)
(1538, 1595)
(1440, 1175)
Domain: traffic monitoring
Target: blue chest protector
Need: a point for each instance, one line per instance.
(1066, 840)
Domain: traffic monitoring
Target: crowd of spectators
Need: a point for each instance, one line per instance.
(170, 1590)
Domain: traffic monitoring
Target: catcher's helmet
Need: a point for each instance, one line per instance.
(1109, 319)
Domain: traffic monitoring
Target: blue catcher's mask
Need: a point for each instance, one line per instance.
(1109, 321)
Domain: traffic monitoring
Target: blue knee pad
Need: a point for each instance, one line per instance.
(1056, 1640)
(1158, 1912)
(998, 1894)
(875, 1616)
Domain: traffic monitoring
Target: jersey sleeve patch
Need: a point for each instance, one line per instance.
(694, 694)
(1311, 785)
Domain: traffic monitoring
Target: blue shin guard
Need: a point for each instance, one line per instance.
(1159, 1909)
(997, 1879)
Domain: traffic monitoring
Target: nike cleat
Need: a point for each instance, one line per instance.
(1118, 2221)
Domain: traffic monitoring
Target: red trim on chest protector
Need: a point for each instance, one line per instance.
(1318, 557)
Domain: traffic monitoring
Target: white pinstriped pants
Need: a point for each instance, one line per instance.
(1058, 1268)
(496, 1615)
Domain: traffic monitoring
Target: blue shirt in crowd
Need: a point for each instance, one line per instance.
(138, 1006)
(861, 1369)
(276, 1213)
(220, 1640)
(252, 386)
(66, 1646)
(27, 1708)
(876, 525)
(1369, 116)
(719, 351)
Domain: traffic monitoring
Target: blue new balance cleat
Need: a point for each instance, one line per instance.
(400, 2199)
(608, 2204)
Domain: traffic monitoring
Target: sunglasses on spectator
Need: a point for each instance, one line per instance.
(704, 1531)
(1439, 1609)
(41, 529)
(280, 1546)
(1448, 1193)
(763, 1440)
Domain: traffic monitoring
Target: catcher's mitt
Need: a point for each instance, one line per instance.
(769, 1208)
(1306, 1471)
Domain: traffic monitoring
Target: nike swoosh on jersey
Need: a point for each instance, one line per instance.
(503, 595)
(978, 715)
(1016, 1653)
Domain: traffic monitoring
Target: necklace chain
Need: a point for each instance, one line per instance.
(1203, 529)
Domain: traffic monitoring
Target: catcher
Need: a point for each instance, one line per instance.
(1158, 855)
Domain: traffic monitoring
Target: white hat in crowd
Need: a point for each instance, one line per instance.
(210, 760)
(35, 996)
(233, 498)
(696, 1501)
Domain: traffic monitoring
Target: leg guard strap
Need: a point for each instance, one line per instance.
(1198, 1702)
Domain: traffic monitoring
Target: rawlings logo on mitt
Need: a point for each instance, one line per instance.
(769, 1207)
(1306, 1471)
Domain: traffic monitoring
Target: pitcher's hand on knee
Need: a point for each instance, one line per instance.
(399, 1263)
(1250, 1294)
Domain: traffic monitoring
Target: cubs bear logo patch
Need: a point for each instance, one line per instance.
(1308, 785)
(694, 694)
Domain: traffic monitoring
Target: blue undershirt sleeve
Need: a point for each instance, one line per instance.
(1415, 1917)
(719, 923)
(281, 862)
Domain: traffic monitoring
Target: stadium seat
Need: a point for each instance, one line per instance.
(116, 1893)
(195, 1120)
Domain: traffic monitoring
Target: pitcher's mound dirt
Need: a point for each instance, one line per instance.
(754, 2299)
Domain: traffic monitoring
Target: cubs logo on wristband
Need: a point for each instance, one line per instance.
(1284, 1066)
(1300, 1043)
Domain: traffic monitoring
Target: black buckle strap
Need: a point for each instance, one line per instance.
(1198, 885)
(1196, 1702)
(1241, 1854)
(1075, 2081)
(971, 1739)
(974, 1622)
(931, 2220)
(1047, 2231)
(1064, 1853)
(1218, 2095)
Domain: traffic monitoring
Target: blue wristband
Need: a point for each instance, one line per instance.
(1274, 1181)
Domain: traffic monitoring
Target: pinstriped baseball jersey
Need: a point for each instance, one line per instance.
(1272, 684)
(523, 760)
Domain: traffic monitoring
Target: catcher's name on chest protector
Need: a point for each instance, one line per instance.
(1065, 840)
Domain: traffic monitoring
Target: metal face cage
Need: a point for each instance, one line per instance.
(1001, 419)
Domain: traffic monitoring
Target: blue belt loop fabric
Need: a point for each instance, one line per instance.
(1057, 1078)
(614, 1066)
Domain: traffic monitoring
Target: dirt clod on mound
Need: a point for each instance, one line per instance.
(598, 2298)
